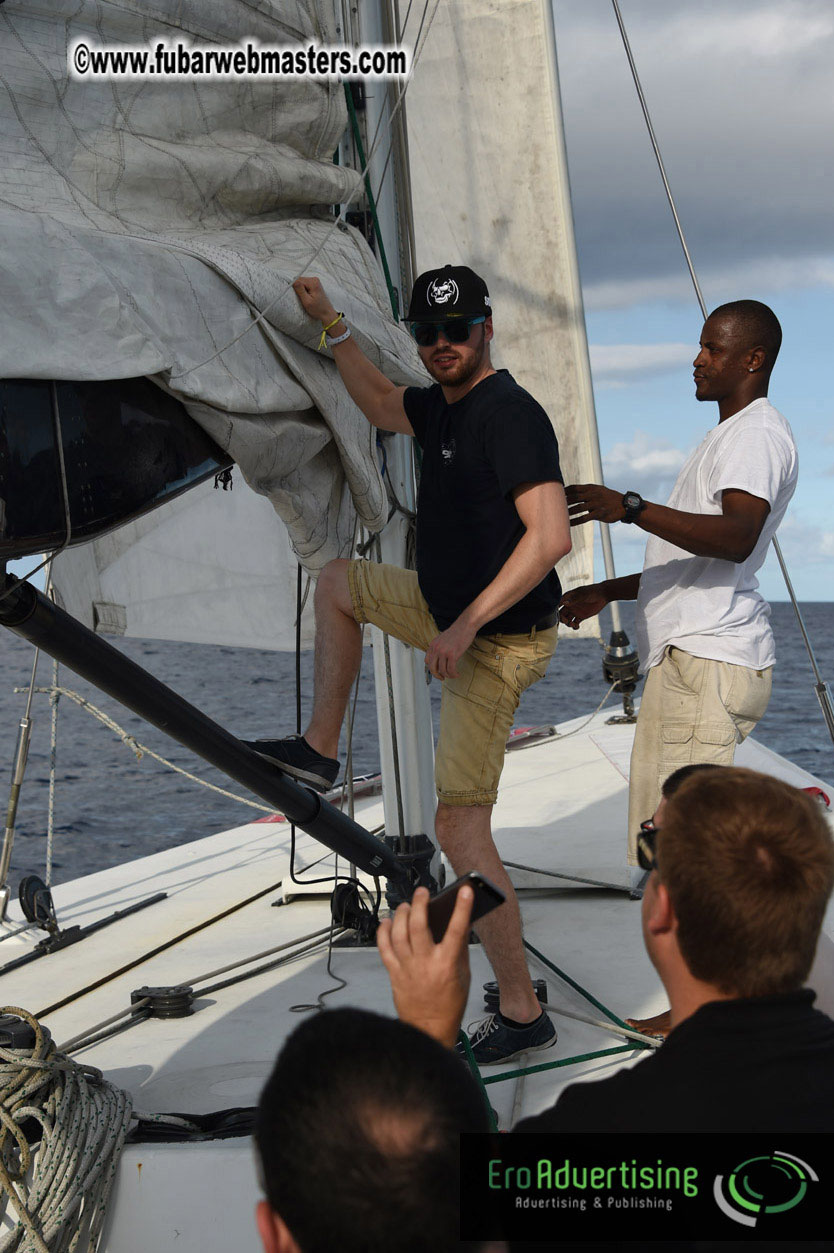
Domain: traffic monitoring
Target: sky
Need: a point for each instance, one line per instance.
(742, 105)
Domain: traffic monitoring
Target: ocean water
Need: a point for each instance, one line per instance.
(111, 807)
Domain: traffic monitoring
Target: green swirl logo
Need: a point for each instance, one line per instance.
(763, 1185)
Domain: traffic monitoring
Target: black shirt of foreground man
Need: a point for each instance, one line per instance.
(475, 452)
(760, 1064)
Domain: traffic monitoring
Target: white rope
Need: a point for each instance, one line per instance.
(141, 750)
(58, 1192)
(605, 1026)
(317, 936)
(132, 1010)
(565, 735)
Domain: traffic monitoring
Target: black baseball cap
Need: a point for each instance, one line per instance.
(454, 291)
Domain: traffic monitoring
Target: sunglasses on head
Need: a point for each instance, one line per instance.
(647, 845)
(456, 331)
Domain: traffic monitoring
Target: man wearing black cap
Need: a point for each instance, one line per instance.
(491, 524)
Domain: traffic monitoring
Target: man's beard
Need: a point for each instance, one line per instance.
(463, 370)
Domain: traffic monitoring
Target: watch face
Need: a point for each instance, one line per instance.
(631, 500)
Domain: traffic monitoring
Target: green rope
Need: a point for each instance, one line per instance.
(578, 988)
(354, 124)
(564, 1061)
(463, 1039)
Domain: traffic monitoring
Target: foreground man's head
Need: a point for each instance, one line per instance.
(358, 1138)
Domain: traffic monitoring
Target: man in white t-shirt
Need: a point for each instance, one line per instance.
(703, 631)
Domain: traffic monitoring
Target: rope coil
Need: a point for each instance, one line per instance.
(59, 1189)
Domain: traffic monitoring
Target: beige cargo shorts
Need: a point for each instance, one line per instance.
(477, 708)
(693, 709)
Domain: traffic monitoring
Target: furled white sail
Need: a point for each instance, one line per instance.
(145, 222)
(490, 186)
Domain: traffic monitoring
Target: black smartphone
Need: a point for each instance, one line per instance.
(441, 907)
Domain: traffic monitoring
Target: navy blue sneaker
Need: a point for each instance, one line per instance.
(294, 756)
(492, 1040)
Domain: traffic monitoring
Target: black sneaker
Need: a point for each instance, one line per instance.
(294, 756)
(492, 1040)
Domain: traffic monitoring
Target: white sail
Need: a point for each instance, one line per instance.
(212, 567)
(145, 222)
(490, 187)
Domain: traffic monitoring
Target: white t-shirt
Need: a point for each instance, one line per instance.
(708, 606)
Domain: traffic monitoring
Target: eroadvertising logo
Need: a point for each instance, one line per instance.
(771, 1184)
(591, 1186)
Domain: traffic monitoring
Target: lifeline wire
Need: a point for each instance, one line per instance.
(141, 750)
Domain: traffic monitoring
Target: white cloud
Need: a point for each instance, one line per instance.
(644, 464)
(613, 364)
(741, 100)
(728, 282)
(803, 543)
(752, 30)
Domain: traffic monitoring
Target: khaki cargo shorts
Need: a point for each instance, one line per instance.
(694, 709)
(476, 708)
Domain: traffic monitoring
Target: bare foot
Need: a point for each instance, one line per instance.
(659, 1026)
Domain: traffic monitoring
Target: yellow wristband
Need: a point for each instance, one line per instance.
(325, 329)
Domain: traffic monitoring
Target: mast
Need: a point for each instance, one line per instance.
(406, 742)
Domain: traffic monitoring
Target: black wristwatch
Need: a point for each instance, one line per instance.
(634, 504)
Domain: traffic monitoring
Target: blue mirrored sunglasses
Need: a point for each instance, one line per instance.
(456, 330)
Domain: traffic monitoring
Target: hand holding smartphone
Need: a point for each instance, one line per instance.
(428, 963)
(487, 897)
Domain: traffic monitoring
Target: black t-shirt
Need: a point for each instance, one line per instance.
(764, 1064)
(475, 452)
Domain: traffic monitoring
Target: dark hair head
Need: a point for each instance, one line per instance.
(358, 1134)
(757, 325)
(748, 862)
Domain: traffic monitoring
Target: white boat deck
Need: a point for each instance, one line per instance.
(561, 809)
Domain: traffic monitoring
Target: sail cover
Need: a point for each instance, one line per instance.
(145, 224)
(490, 188)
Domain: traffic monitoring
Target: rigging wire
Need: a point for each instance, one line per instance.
(417, 42)
(821, 689)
